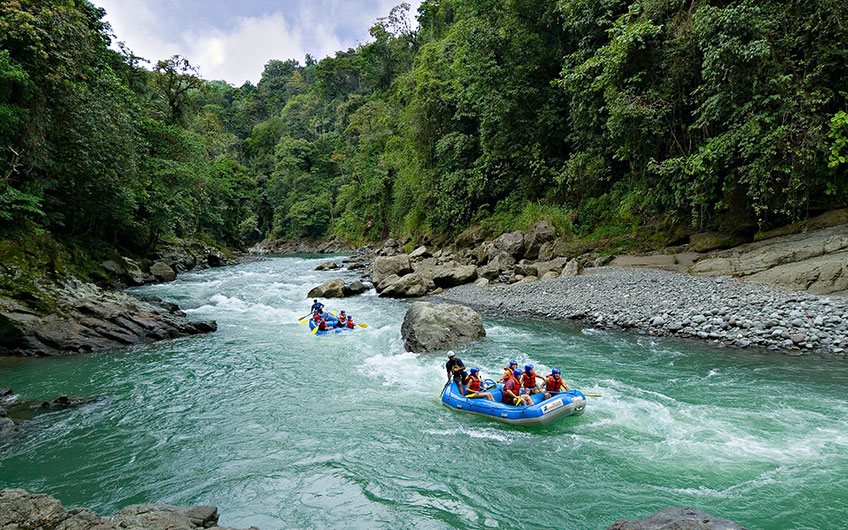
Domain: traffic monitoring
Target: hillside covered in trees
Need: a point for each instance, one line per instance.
(603, 116)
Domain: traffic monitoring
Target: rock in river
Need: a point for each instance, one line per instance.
(678, 518)
(430, 327)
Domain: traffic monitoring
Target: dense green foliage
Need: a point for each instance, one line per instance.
(600, 115)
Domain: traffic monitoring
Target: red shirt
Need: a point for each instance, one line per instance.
(513, 386)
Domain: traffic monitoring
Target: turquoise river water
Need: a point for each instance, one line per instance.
(282, 429)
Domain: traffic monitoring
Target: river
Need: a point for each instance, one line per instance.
(282, 429)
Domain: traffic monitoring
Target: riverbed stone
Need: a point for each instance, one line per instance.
(429, 327)
(162, 272)
(328, 266)
(677, 518)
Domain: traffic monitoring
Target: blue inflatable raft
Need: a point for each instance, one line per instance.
(542, 412)
(330, 322)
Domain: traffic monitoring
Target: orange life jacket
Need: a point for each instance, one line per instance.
(529, 381)
(552, 383)
(472, 383)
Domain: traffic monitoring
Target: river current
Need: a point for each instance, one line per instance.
(282, 429)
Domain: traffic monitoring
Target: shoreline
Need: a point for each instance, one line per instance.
(722, 312)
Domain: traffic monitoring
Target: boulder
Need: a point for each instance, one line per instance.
(471, 236)
(419, 253)
(541, 233)
(354, 288)
(329, 289)
(453, 275)
(328, 266)
(408, 286)
(707, 241)
(572, 268)
(430, 327)
(21, 509)
(556, 265)
(511, 243)
(550, 275)
(162, 272)
(677, 518)
(384, 267)
(135, 275)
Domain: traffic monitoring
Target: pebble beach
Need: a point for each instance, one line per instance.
(723, 311)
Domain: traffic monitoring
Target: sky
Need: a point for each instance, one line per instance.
(232, 40)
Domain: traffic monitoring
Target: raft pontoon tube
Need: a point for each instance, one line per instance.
(541, 412)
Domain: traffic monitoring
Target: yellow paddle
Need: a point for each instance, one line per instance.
(592, 395)
(363, 325)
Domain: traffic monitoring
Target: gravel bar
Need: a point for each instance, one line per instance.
(723, 311)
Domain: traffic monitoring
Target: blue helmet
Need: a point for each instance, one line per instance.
(475, 370)
(556, 371)
(528, 367)
(516, 373)
(513, 363)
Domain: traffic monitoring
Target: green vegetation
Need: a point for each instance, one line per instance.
(604, 117)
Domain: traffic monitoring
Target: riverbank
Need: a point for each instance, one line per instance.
(725, 312)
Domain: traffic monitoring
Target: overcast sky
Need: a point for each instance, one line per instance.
(233, 39)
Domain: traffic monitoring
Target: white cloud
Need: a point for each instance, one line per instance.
(239, 51)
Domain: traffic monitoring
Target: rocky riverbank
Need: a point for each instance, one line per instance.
(726, 312)
(20, 509)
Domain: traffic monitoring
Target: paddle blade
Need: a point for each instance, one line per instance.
(333, 313)
(363, 325)
(303, 321)
(315, 330)
(592, 395)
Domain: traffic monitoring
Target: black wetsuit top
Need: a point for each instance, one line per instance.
(458, 375)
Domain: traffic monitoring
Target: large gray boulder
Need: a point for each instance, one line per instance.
(20, 509)
(511, 243)
(452, 274)
(385, 266)
(328, 266)
(409, 286)
(430, 327)
(541, 233)
(329, 289)
(677, 518)
(162, 272)
(556, 265)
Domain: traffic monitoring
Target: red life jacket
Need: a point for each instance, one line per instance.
(472, 383)
(553, 384)
(349, 323)
(515, 388)
(322, 325)
(529, 381)
(342, 321)
(316, 317)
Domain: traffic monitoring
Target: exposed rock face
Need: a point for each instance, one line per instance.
(383, 267)
(429, 327)
(408, 286)
(20, 509)
(815, 261)
(300, 246)
(707, 241)
(87, 318)
(678, 518)
(328, 266)
(511, 243)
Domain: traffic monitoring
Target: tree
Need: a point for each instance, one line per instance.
(174, 80)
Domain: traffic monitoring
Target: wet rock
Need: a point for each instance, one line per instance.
(677, 518)
(329, 289)
(162, 272)
(430, 327)
(328, 266)
(354, 288)
(21, 509)
(383, 267)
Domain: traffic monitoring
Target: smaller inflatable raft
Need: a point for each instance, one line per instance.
(541, 412)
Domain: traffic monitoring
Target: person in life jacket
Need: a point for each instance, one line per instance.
(528, 380)
(320, 320)
(341, 322)
(317, 306)
(512, 391)
(508, 369)
(350, 323)
(554, 383)
(473, 384)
